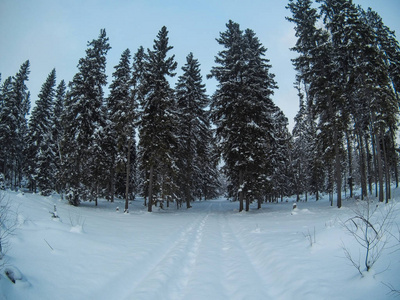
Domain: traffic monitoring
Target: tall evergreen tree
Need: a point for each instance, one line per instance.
(242, 111)
(299, 150)
(318, 69)
(122, 116)
(58, 132)
(280, 156)
(85, 121)
(158, 140)
(348, 78)
(194, 128)
(13, 124)
(7, 123)
(40, 149)
(384, 57)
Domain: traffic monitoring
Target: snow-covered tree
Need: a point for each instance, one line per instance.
(194, 131)
(57, 133)
(350, 80)
(84, 124)
(121, 107)
(6, 125)
(40, 141)
(158, 123)
(13, 124)
(242, 111)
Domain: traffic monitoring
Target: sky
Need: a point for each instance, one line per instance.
(55, 33)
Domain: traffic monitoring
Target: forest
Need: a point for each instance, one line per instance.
(175, 144)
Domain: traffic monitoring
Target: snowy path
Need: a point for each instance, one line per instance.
(206, 255)
(208, 252)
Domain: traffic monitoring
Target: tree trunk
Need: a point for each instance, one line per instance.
(150, 202)
(349, 154)
(369, 167)
(128, 169)
(362, 167)
(379, 160)
(387, 173)
(374, 142)
(338, 174)
(396, 173)
(112, 181)
(241, 190)
(97, 193)
(338, 169)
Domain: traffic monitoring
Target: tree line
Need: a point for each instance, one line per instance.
(166, 143)
(348, 79)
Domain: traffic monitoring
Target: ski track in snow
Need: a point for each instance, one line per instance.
(166, 278)
(179, 267)
(189, 259)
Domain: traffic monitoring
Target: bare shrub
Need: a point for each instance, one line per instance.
(8, 224)
(371, 228)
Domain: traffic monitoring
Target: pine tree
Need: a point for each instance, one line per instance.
(40, 141)
(7, 123)
(299, 150)
(348, 79)
(158, 141)
(312, 46)
(84, 118)
(194, 127)
(242, 111)
(319, 71)
(13, 124)
(57, 133)
(280, 156)
(385, 58)
(122, 116)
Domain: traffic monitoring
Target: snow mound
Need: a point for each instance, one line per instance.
(21, 220)
(15, 276)
(76, 229)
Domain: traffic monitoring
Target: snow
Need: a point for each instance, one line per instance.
(210, 251)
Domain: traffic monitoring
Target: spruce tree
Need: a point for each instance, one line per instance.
(348, 70)
(194, 127)
(158, 140)
(84, 124)
(57, 133)
(13, 124)
(385, 58)
(121, 126)
(299, 150)
(7, 123)
(280, 156)
(242, 111)
(40, 141)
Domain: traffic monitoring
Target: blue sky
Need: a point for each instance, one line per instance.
(54, 34)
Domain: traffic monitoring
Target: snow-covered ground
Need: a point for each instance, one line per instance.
(210, 251)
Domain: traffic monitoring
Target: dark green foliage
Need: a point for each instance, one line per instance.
(40, 139)
(121, 111)
(348, 72)
(243, 112)
(158, 123)
(13, 124)
(84, 119)
(57, 133)
(196, 170)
